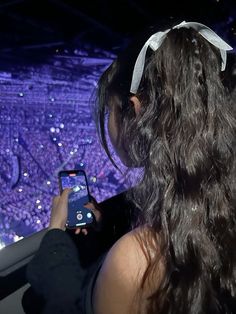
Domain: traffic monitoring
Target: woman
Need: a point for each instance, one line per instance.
(170, 114)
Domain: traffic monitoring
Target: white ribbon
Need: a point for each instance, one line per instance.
(155, 41)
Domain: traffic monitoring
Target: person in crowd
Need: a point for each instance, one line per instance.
(171, 115)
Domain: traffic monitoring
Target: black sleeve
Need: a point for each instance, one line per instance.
(56, 275)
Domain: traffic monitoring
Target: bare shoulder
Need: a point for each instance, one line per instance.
(120, 275)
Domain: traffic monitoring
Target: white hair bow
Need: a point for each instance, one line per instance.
(155, 41)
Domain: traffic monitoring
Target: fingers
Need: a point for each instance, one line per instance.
(93, 200)
(55, 201)
(90, 205)
(79, 230)
(95, 210)
(65, 194)
(94, 207)
(84, 231)
(63, 197)
(59, 211)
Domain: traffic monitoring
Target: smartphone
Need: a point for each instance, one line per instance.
(78, 215)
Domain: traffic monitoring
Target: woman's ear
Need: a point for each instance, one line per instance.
(136, 103)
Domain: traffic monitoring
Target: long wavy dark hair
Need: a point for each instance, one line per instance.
(184, 139)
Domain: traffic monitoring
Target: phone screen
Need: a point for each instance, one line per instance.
(78, 215)
(73, 179)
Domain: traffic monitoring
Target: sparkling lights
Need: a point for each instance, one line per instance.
(45, 120)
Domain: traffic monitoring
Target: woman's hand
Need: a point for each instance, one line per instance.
(94, 207)
(59, 211)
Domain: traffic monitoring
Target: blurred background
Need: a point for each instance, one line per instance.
(52, 53)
